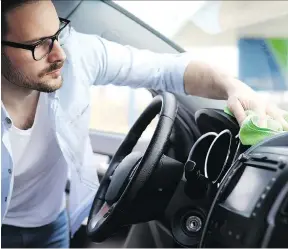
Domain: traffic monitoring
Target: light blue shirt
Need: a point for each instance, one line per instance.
(91, 60)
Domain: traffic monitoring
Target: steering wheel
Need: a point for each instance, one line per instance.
(136, 187)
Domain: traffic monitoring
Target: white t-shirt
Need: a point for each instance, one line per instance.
(40, 173)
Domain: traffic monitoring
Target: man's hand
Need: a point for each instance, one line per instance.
(242, 98)
(238, 103)
(208, 81)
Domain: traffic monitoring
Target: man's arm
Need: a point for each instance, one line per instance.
(204, 80)
(111, 63)
(106, 62)
(208, 81)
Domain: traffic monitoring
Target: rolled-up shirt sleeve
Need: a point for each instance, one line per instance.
(105, 62)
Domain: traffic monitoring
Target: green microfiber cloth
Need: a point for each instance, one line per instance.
(251, 134)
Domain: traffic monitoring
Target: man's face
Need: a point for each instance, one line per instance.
(26, 23)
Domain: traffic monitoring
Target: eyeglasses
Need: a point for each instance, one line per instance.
(44, 46)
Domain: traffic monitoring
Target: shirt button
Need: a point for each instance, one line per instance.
(8, 121)
(5, 199)
(9, 171)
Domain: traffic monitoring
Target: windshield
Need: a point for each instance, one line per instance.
(249, 39)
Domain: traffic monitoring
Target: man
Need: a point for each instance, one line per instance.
(45, 114)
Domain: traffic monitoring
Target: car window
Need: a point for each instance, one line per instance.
(114, 109)
(248, 39)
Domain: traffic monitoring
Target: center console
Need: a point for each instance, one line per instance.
(250, 208)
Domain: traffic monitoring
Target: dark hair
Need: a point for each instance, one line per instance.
(6, 6)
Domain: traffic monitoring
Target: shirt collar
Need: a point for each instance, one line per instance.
(4, 113)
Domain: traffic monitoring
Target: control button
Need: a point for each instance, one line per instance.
(109, 211)
(285, 220)
(268, 187)
(223, 228)
(214, 224)
(281, 165)
(238, 236)
(254, 214)
(263, 196)
(106, 215)
(230, 233)
(258, 205)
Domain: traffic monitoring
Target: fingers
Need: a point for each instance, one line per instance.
(237, 109)
(260, 110)
(238, 106)
(279, 115)
(284, 123)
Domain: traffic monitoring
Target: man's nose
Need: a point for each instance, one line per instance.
(57, 53)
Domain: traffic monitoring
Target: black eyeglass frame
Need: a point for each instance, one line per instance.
(32, 47)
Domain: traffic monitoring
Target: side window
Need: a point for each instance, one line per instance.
(114, 109)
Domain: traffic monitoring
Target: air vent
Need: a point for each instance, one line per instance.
(263, 161)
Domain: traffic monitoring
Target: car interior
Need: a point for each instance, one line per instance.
(192, 183)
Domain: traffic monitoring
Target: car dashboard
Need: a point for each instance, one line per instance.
(231, 195)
